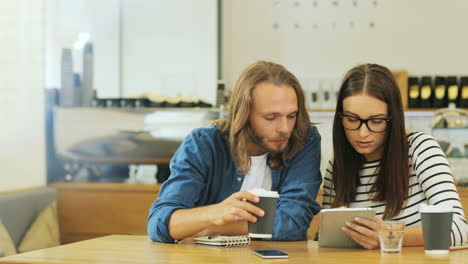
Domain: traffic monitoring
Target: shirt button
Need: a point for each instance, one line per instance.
(239, 178)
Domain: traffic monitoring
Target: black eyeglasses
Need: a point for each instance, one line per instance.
(376, 125)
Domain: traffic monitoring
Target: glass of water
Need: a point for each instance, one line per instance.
(391, 236)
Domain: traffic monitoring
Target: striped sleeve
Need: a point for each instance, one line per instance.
(328, 189)
(436, 180)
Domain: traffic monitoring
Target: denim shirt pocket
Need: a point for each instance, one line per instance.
(237, 180)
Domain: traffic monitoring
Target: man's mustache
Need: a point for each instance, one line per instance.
(281, 138)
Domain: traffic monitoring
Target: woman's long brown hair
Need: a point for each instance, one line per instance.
(392, 182)
(236, 126)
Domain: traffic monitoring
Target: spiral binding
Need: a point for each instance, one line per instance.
(237, 241)
(223, 241)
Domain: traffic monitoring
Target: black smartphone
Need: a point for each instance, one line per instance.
(272, 253)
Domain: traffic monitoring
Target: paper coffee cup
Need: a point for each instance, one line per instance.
(263, 228)
(437, 225)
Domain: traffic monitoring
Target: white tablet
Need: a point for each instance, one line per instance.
(331, 221)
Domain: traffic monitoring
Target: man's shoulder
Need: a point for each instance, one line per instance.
(312, 133)
(311, 143)
(209, 134)
(206, 131)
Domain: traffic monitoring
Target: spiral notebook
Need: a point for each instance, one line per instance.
(223, 241)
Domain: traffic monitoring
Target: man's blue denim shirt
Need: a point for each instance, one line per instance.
(203, 173)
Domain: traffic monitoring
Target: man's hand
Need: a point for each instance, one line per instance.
(235, 208)
(365, 232)
(227, 217)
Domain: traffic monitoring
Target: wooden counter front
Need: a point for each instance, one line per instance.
(89, 210)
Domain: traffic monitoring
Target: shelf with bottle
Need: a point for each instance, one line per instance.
(454, 142)
(406, 110)
(458, 158)
(331, 113)
(450, 129)
(465, 129)
(437, 91)
(411, 110)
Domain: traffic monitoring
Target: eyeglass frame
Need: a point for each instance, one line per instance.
(365, 122)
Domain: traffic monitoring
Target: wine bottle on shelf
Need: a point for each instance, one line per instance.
(463, 94)
(413, 93)
(453, 90)
(315, 96)
(426, 92)
(440, 92)
(220, 94)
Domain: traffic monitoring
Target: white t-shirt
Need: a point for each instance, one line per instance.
(259, 175)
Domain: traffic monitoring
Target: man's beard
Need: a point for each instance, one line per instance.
(258, 141)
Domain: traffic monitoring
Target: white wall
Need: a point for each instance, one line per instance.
(170, 47)
(317, 39)
(22, 143)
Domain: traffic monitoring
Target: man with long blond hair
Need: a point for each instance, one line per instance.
(267, 141)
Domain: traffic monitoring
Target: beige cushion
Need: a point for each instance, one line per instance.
(44, 232)
(7, 247)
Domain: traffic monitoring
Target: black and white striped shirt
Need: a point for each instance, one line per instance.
(431, 182)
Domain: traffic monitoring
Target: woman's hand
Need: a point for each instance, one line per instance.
(365, 232)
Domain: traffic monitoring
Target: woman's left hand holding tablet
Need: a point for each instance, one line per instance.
(364, 231)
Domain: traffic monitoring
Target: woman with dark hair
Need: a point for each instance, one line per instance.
(372, 154)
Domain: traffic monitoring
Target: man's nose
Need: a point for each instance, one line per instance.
(283, 127)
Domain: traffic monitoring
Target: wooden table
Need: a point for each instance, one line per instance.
(139, 249)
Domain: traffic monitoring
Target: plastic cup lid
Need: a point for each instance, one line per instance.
(264, 193)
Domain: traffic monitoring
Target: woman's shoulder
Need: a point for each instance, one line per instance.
(420, 141)
(417, 137)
